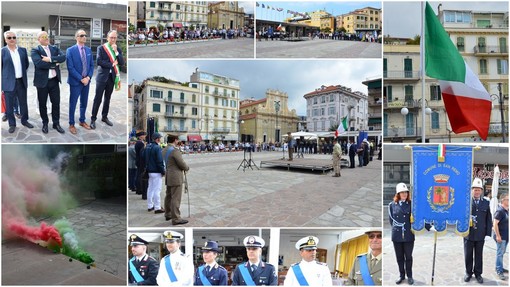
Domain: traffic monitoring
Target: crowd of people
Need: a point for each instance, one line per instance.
(47, 79)
(183, 34)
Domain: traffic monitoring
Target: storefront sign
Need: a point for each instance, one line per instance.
(97, 28)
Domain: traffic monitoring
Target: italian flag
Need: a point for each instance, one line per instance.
(342, 127)
(467, 103)
(111, 54)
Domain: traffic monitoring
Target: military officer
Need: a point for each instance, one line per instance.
(143, 269)
(175, 269)
(254, 271)
(367, 268)
(308, 272)
(211, 273)
(481, 226)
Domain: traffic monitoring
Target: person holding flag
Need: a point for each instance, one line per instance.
(143, 269)
(176, 268)
(211, 273)
(109, 60)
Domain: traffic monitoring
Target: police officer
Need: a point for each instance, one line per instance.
(401, 235)
(480, 226)
(308, 272)
(211, 273)
(254, 271)
(143, 269)
(175, 269)
(367, 268)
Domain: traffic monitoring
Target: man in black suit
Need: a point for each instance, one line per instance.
(109, 60)
(143, 268)
(481, 226)
(352, 153)
(15, 80)
(47, 79)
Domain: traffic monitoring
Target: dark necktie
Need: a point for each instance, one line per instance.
(207, 268)
(253, 268)
(83, 62)
(477, 201)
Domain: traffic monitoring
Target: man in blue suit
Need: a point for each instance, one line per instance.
(14, 80)
(47, 79)
(254, 271)
(109, 60)
(81, 67)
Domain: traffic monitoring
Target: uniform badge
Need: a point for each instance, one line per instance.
(133, 237)
(311, 241)
(251, 240)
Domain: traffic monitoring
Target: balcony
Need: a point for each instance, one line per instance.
(178, 101)
(490, 50)
(175, 129)
(221, 130)
(402, 75)
(175, 115)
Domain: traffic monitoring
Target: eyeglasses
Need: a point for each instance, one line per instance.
(83, 35)
(372, 236)
(9, 38)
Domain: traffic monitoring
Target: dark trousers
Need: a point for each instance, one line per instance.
(404, 254)
(143, 183)
(53, 90)
(351, 159)
(173, 202)
(476, 248)
(107, 89)
(131, 178)
(80, 92)
(19, 93)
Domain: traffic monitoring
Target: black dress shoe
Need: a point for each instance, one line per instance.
(45, 128)
(410, 281)
(12, 129)
(479, 279)
(107, 121)
(168, 218)
(4, 118)
(182, 221)
(467, 278)
(150, 209)
(93, 125)
(399, 281)
(159, 211)
(28, 125)
(58, 128)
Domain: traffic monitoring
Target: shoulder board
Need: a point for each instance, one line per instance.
(268, 264)
(151, 258)
(220, 267)
(321, 263)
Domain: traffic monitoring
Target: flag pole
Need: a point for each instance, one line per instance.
(434, 258)
(422, 59)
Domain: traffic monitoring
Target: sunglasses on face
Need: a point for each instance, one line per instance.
(81, 36)
(9, 38)
(372, 236)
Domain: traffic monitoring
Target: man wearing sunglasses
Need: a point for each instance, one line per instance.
(81, 67)
(47, 79)
(14, 80)
(367, 268)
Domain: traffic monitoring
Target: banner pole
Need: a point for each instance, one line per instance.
(434, 258)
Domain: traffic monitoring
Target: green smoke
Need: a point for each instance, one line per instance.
(70, 244)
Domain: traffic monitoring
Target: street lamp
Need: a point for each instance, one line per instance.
(404, 111)
(501, 102)
(276, 130)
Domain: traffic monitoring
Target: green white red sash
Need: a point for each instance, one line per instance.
(111, 54)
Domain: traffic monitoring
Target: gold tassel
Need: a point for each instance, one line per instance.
(470, 222)
(411, 219)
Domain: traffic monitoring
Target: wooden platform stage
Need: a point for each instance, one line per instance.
(26, 263)
(323, 165)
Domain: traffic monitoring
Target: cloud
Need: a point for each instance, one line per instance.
(295, 77)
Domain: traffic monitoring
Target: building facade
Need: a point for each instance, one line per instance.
(485, 51)
(176, 14)
(374, 104)
(218, 105)
(326, 106)
(226, 15)
(364, 18)
(268, 119)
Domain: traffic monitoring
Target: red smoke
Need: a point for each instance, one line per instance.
(34, 234)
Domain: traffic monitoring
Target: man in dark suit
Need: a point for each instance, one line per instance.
(109, 60)
(47, 79)
(14, 80)
(80, 66)
(353, 149)
(143, 269)
(254, 271)
(481, 219)
(175, 166)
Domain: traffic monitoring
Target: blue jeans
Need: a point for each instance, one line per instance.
(360, 160)
(500, 251)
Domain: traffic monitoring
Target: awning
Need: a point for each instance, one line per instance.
(194, 138)
(177, 25)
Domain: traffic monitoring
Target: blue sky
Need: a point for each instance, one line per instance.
(335, 8)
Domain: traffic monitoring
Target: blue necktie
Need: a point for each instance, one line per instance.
(83, 62)
(207, 268)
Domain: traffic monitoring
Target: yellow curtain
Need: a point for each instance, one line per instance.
(347, 251)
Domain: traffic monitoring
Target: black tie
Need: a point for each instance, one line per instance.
(477, 201)
(253, 268)
(207, 269)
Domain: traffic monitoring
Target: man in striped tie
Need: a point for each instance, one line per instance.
(80, 66)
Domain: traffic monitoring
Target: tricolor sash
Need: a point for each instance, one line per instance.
(203, 278)
(299, 275)
(365, 273)
(111, 54)
(132, 268)
(170, 270)
(246, 275)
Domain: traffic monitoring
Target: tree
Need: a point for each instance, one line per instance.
(414, 41)
(326, 30)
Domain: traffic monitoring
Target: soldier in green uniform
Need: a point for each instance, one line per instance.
(367, 268)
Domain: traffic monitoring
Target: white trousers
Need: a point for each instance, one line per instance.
(153, 191)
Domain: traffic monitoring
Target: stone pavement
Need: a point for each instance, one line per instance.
(220, 195)
(102, 134)
(319, 48)
(217, 48)
(449, 267)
